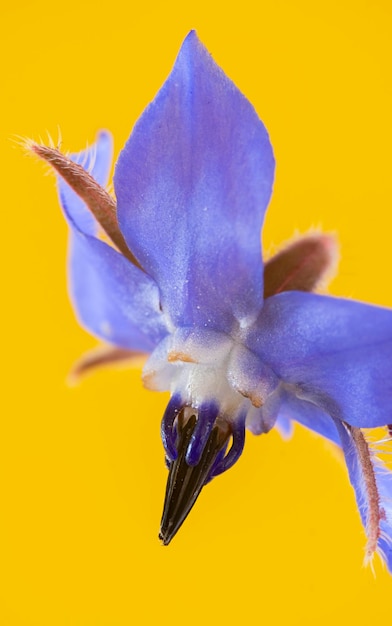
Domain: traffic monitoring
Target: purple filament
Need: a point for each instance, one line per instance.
(235, 451)
(168, 430)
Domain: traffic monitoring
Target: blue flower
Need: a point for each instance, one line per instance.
(183, 283)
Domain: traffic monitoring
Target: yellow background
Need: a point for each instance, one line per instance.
(277, 540)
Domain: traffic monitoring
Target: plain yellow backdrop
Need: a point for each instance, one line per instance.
(277, 540)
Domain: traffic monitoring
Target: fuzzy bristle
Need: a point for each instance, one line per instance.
(96, 198)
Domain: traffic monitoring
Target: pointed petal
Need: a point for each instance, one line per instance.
(285, 427)
(334, 353)
(192, 185)
(289, 408)
(113, 299)
(97, 160)
(372, 482)
(309, 415)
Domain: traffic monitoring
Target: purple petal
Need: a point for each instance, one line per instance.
(97, 160)
(309, 415)
(285, 427)
(334, 353)
(113, 299)
(383, 481)
(288, 408)
(192, 185)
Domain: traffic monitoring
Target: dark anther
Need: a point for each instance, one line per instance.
(186, 481)
(389, 430)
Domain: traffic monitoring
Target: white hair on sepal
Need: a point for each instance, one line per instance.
(50, 140)
(371, 488)
(30, 147)
(27, 143)
(55, 145)
(383, 477)
(59, 137)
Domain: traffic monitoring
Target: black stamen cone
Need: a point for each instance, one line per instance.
(185, 482)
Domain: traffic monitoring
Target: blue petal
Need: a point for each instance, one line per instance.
(288, 407)
(284, 426)
(113, 299)
(383, 478)
(97, 160)
(307, 414)
(192, 185)
(334, 353)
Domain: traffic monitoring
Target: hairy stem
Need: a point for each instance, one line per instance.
(375, 513)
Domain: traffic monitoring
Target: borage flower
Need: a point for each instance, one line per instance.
(181, 279)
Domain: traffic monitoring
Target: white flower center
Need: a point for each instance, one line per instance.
(204, 365)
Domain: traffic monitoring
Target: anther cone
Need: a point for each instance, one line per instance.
(185, 482)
